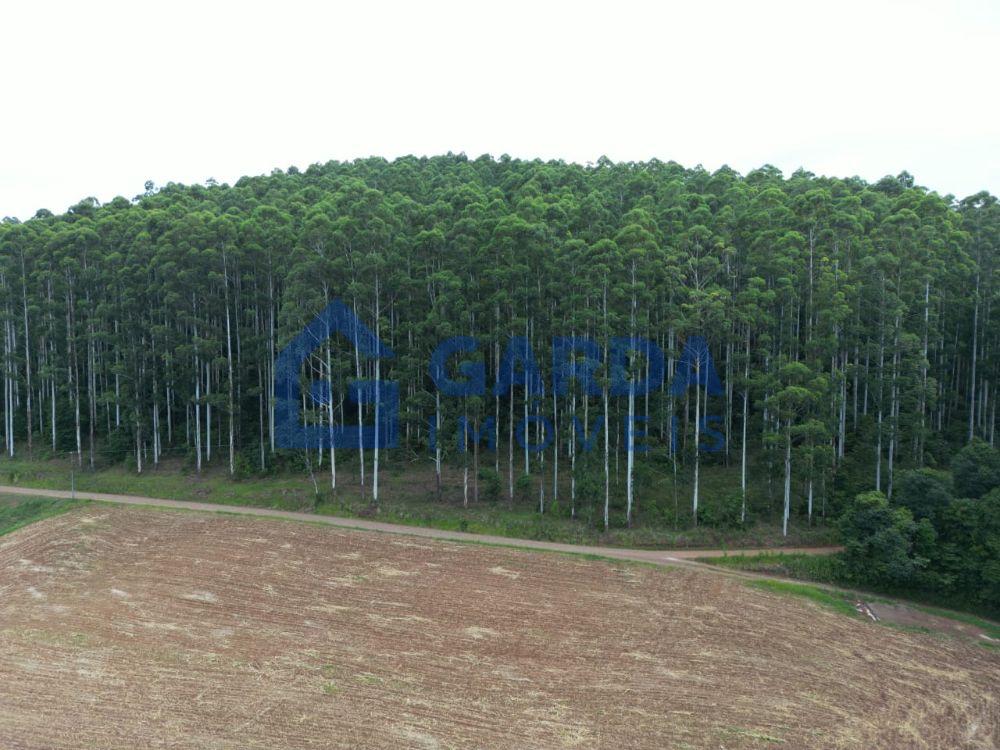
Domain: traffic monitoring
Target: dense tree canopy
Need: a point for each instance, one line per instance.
(851, 324)
(940, 537)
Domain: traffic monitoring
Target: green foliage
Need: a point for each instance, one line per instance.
(976, 469)
(525, 488)
(243, 464)
(18, 512)
(408, 501)
(879, 542)
(841, 313)
(722, 513)
(117, 446)
(818, 568)
(489, 484)
(968, 555)
(925, 492)
(951, 554)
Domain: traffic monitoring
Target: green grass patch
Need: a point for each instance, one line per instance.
(816, 568)
(835, 600)
(17, 512)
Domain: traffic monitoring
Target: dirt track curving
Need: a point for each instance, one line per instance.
(123, 627)
(619, 553)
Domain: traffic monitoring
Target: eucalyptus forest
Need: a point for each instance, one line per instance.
(852, 325)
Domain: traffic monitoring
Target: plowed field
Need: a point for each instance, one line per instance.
(135, 628)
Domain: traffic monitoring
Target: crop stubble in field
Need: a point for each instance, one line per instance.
(125, 627)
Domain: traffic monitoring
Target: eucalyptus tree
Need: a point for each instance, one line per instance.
(702, 308)
(636, 242)
(601, 257)
(797, 391)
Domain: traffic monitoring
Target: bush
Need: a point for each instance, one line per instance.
(489, 484)
(925, 492)
(879, 542)
(976, 469)
(723, 514)
(243, 466)
(968, 552)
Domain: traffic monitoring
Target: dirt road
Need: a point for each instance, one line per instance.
(616, 553)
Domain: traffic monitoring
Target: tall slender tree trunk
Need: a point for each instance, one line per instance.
(329, 416)
(607, 465)
(697, 440)
(197, 400)
(229, 365)
(378, 399)
(357, 371)
(630, 457)
(437, 442)
(972, 374)
(788, 478)
(746, 418)
(921, 438)
(510, 439)
(27, 352)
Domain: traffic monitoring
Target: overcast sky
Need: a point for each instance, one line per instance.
(99, 97)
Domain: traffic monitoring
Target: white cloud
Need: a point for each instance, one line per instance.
(96, 100)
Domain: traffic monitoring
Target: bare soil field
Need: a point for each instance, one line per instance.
(123, 627)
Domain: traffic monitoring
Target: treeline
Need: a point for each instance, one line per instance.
(852, 325)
